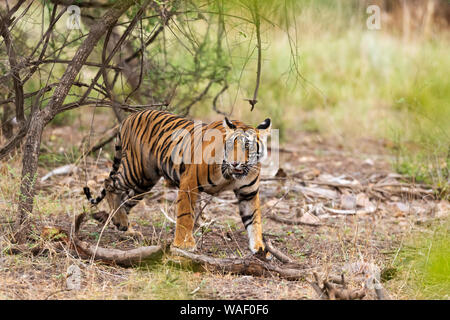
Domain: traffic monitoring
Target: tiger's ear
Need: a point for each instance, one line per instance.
(228, 125)
(264, 127)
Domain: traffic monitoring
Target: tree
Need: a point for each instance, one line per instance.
(133, 49)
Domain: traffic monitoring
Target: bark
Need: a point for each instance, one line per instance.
(124, 258)
(6, 124)
(29, 169)
(12, 57)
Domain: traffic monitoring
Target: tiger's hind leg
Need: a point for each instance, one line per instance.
(131, 201)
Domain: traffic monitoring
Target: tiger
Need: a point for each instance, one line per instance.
(152, 144)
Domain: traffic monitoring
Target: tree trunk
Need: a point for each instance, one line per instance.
(29, 168)
(41, 118)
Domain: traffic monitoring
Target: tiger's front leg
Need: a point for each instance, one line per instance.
(250, 212)
(187, 197)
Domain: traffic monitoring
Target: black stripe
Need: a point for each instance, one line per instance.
(247, 196)
(130, 174)
(246, 219)
(183, 214)
(87, 192)
(162, 123)
(209, 179)
(182, 168)
(250, 223)
(250, 184)
(200, 188)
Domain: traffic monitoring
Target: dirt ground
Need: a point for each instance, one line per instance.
(346, 225)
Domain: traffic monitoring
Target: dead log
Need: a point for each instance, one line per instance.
(124, 258)
(330, 291)
(247, 266)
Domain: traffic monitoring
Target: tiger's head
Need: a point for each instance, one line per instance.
(245, 147)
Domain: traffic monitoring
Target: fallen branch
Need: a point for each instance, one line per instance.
(67, 169)
(246, 266)
(292, 222)
(401, 189)
(331, 291)
(371, 209)
(124, 258)
(277, 253)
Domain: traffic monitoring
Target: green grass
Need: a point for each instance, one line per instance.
(355, 83)
(424, 264)
(161, 281)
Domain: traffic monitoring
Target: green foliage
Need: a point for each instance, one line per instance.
(327, 73)
(424, 264)
(54, 159)
(65, 118)
(167, 282)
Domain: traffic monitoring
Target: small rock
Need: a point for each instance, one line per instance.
(368, 162)
(348, 202)
(442, 209)
(73, 277)
(362, 200)
(309, 218)
(306, 159)
(402, 206)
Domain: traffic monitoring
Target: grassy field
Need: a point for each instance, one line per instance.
(423, 262)
(352, 82)
(378, 94)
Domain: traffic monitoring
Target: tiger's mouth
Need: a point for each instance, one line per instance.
(237, 171)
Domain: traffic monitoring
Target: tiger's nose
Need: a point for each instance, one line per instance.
(235, 164)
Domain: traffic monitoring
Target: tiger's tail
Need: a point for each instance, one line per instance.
(115, 168)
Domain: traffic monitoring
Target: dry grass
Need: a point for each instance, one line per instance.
(342, 241)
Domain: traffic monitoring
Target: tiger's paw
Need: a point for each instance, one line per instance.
(187, 244)
(262, 253)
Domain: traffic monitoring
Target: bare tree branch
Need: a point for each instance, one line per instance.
(39, 120)
(10, 51)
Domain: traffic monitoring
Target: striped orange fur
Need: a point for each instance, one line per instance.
(152, 144)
